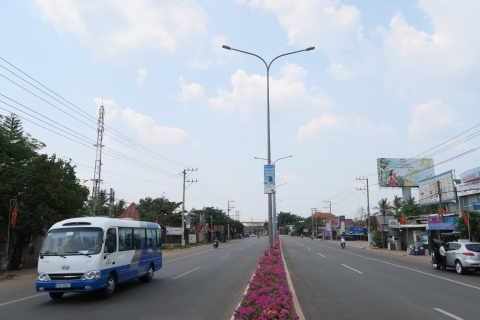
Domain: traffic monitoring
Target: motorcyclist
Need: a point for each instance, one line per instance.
(342, 241)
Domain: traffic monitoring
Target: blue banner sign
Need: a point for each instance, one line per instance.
(440, 226)
(268, 178)
(476, 205)
(354, 231)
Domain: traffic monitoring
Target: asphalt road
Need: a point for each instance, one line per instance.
(201, 283)
(354, 283)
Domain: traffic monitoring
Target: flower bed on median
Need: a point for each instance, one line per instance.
(267, 296)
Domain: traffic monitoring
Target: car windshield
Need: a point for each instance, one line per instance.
(473, 247)
(72, 241)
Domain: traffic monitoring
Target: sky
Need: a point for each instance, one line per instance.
(386, 79)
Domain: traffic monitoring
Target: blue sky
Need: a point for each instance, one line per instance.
(387, 78)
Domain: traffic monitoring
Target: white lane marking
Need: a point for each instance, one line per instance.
(309, 248)
(402, 267)
(197, 253)
(18, 300)
(241, 249)
(351, 268)
(296, 304)
(225, 256)
(185, 273)
(322, 255)
(448, 314)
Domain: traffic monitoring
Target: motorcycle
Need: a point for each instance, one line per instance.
(311, 237)
(302, 236)
(258, 237)
(215, 244)
(343, 245)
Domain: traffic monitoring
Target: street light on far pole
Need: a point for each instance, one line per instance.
(269, 158)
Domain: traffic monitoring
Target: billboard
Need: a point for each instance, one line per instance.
(268, 178)
(403, 172)
(467, 188)
(428, 189)
(470, 175)
(354, 230)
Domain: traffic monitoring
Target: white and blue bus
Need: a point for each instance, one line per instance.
(94, 253)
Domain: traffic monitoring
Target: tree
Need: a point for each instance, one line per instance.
(361, 215)
(384, 207)
(474, 221)
(46, 188)
(397, 205)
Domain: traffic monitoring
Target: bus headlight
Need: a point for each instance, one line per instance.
(43, 277)
(90, 275)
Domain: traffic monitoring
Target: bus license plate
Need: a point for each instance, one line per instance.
(63, 285)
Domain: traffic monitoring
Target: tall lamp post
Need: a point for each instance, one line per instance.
(330, 217)
(270, 235)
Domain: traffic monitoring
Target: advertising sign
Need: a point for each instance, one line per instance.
(467, 188)
(268, 178)
(393, 224)
(428, 189)
(192, 238)
(476, 205)
(470, 175)
(342, 225)
(171, 231)
(403, 172)
(354, 231)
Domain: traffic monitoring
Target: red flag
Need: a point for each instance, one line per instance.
(208, 228)
(441, 210)
(365, 224)
(356, 226)
(13, 221)
(379, 226)
(235, 230)
(215, 228)
(156, 221)
(403, 220)
(465, 219)
(199, 228)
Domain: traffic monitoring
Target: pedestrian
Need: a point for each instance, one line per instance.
(443, 257)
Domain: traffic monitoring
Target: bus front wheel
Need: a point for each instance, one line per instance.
(109, 290)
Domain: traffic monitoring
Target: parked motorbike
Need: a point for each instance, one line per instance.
(215, 243)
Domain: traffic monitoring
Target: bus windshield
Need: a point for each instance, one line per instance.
(71, 241)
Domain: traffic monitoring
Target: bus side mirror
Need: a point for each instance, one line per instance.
(110, 248)
(30, 249)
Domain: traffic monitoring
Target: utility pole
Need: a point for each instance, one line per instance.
(439, 191)
(330, 217)
(369, 237)
(98, 160)
(314, 210)
(228, 213)
(184, 172)
(112, 201)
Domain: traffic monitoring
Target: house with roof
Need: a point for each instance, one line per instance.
(131, 212)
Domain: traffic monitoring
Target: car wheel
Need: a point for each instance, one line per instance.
(149, 276)
(56, 295)
(109, 290)
(459, 267)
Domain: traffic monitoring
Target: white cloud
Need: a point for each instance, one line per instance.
(290, 177)
(339, 71)
(431, 117)
(142, 73)
(249, 91)
(143, 125)
(328, 125)
(116, 26)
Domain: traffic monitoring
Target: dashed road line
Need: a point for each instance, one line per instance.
(322, 255)
(185, 273)
(351, 268)
(225, 256)
(448, 314)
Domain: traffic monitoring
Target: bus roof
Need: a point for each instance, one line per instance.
(104, 223)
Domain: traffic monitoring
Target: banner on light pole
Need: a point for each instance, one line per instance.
(269, 178)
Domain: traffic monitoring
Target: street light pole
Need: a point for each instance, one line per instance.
(330, 217)
(270, 234)
(368, 209)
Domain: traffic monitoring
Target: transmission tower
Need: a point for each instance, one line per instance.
(98, 160)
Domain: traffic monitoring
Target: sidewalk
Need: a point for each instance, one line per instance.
(15, 275)
(399, 253)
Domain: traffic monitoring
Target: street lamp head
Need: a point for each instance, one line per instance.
(230, 48)
(308, 49)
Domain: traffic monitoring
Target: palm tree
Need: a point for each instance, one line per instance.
(409, 201)
(397, 205)
(384, 207)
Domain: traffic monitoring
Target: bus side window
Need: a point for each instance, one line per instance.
(125, 239)
(151, 238)
(139, 238)
(111, 238)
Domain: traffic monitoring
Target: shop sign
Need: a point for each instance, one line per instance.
(440, 226)
(470, 175)
(476, 205)
(171, 231)
(465, 189)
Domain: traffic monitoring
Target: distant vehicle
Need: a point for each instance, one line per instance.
(93, 253)
(350, 238)
(247, 234)
(461, 255)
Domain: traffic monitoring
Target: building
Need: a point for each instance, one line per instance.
(131, 212)
(468, 191)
